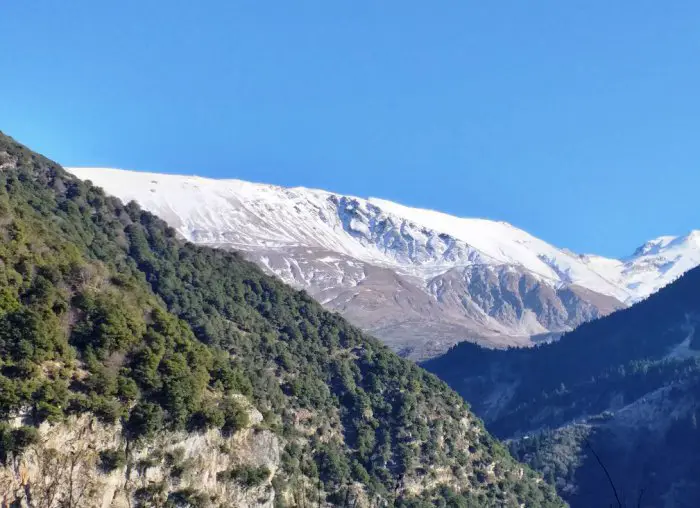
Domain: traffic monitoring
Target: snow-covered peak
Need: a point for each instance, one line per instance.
(653, 246)
(503, 243)
(417, 242)
(660, 262)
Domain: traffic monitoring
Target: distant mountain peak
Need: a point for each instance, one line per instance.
(289, 230)
(653, 246)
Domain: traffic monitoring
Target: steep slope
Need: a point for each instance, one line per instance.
(626, 386)
(139, 370)
(383, 264)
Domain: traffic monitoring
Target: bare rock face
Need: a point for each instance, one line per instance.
(64, 469)
(495, 306)
(517, 301)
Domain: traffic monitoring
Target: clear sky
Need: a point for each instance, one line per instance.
(578, 121)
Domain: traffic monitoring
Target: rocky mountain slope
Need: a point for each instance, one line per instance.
(625, 388)
(139, 370)
(418, 279)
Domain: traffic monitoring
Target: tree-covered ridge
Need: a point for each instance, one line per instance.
(104, 310)
(625, 385)
(632, 349)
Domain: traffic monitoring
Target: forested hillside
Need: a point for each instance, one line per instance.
(105, 313)
(626, 387)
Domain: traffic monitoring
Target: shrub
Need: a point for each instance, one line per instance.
(111, 460)
(235, 416)
(145, 420)
(246, 476)
(15, 441)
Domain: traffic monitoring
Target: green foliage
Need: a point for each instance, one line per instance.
(186, 498)
(103, 309)
(555, 453)
(145, 420)
(235, 417)
(596, 388)
(14, 441)
(209, 416)
(333, 465)
(246, 476)
(112, 459)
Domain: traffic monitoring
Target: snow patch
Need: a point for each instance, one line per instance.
(412, 241)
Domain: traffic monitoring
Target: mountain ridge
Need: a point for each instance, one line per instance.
(624, 386)
(272, 225)
(137, 369)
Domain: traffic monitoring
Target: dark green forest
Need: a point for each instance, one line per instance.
(626, 386)
(103, 310)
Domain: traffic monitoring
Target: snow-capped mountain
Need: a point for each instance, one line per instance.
(419, 279)
(652, 266)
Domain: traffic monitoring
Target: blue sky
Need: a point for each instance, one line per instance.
(578, 121)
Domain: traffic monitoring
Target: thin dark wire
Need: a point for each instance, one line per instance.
(639, 500)
(612, 484)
